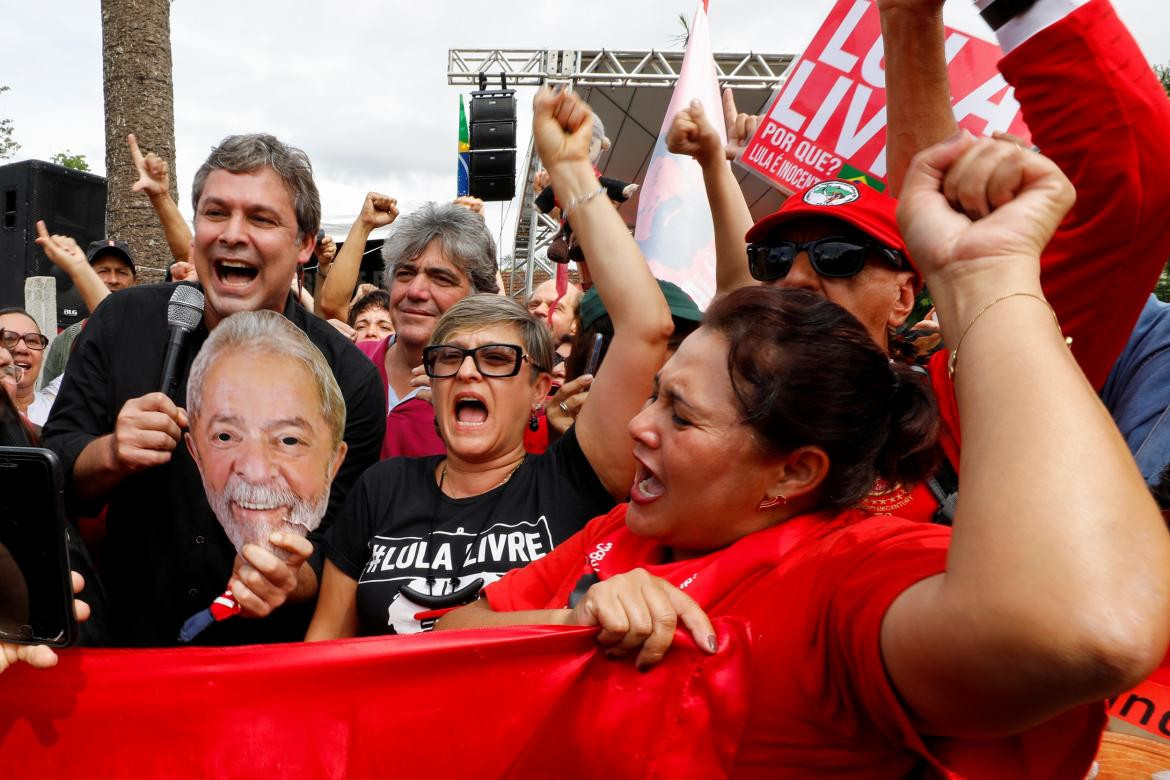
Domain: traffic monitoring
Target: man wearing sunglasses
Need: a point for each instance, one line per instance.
(839, 239)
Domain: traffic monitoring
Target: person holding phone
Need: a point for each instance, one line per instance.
(40, 656)
(420, 535)
(16, 602)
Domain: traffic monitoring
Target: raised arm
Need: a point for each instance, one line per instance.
(1095, 108)
(1055, 592)
(64, 253)
(333, 298)
(918, 91)
(691, 134)
(561, 127)
(154, 180)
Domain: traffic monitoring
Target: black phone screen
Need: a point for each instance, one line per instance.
(36, 599)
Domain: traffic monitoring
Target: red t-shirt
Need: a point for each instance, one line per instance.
(814, 591)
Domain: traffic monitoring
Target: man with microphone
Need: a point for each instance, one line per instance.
(257, 213)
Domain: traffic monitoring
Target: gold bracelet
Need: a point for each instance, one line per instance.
(575, 202)
(955, 352)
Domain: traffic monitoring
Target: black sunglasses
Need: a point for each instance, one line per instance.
(10, 338)
(495, 360)
(835, 257)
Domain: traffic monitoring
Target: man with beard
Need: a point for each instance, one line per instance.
(165, 556)
(266, 426)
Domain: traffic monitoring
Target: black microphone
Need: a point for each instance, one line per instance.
(184, 313)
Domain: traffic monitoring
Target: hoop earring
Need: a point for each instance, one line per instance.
(771, 503)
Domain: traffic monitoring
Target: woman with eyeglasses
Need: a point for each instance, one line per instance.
(419, 536)
(20, 335)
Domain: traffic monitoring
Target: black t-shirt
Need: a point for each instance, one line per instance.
(398, 529)
(166, 556)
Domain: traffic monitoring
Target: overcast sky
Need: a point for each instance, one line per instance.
(362, 86)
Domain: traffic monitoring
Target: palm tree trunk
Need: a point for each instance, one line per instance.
(136, 71)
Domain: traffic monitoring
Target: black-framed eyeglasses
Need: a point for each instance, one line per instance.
(495, 360)
(12, 370)
(835, 257)
(10, 338)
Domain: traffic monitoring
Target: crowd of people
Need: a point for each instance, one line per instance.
(435, 455)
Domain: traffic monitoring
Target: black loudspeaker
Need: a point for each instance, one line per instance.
(500, 162)
(496, 106)
(492, 171)
(70, 202)
(493, 135)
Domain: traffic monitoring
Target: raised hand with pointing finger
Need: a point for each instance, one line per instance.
(154, 180)
(153, 171)
(64, 253)
(740, 126)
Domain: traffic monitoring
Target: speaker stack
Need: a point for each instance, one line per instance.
(493, 143)
(70, 202)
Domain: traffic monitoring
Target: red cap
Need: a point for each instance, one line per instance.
(863, 207)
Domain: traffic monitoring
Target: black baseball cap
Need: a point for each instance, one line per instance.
(108, 246)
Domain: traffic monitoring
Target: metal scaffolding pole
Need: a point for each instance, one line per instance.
(629, 86)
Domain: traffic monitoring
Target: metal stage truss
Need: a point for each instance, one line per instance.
(630, 92)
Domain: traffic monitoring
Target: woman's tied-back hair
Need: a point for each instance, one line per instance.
(481, 311)
(463, 239)
(251, 152)
(805, 372)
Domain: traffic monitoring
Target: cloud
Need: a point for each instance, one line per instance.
(362, 86)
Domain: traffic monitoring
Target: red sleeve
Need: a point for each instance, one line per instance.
(410, 431)
(547, 582)
(863, 573)
(948, 406)
(1095, 107)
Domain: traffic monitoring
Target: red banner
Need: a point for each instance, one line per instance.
(530, 702)
(829, 119)
(1148, 705)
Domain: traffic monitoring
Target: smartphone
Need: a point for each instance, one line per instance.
(36, 591)
(594, 354)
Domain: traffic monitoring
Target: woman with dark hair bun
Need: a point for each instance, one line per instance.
(873, 417)
(881, 647)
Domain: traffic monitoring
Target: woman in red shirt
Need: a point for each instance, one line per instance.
(879, 645)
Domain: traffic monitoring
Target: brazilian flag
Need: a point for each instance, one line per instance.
(849, 173)
(463, 174)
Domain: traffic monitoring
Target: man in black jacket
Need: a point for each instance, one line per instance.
(165, 557)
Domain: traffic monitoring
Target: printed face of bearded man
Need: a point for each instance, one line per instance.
(263, 445)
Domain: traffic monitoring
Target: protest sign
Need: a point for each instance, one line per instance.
(829, 118)
(1147, 706)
